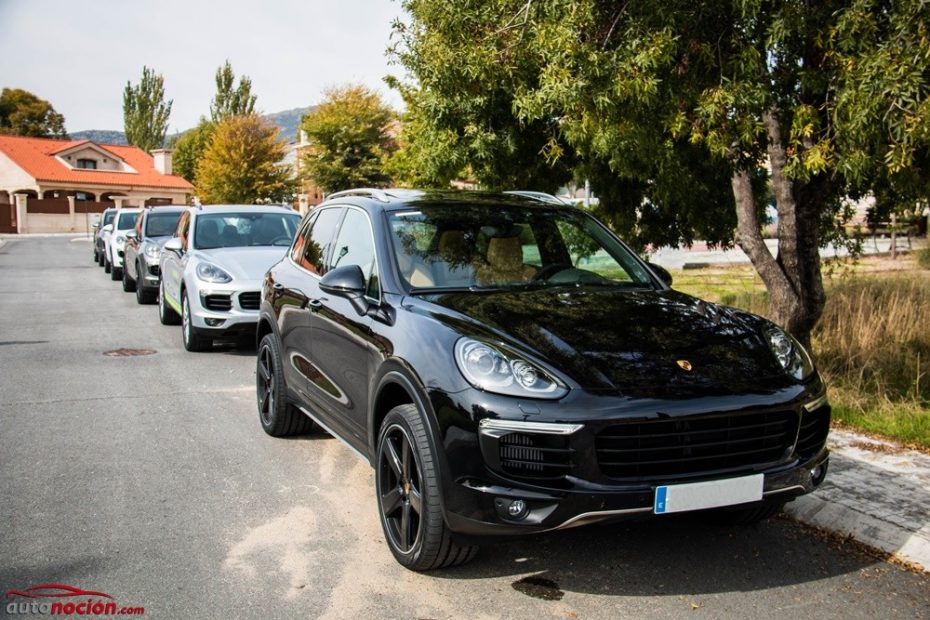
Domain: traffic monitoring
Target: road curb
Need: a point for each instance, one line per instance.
(876, 492)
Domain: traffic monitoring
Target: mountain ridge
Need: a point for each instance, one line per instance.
(288, 121)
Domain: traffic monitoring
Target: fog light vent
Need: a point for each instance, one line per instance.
(535, 455)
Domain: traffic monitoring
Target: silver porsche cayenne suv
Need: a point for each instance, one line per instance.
(212, 269)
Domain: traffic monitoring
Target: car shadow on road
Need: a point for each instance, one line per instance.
(673, 555)
(75, 572)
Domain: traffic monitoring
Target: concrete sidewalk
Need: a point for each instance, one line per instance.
(876, 492)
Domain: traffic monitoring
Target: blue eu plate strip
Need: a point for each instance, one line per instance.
(660, 500)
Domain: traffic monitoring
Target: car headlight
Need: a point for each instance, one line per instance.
(488, 368)
(790, 354)
(152, 251)
(120, 239)
(209, 272)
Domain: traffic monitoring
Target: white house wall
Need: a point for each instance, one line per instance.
(12, 177)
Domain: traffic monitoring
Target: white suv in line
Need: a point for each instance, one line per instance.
(212, 269)
(114, 240)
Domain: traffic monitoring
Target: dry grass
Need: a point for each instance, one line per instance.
(872, 344)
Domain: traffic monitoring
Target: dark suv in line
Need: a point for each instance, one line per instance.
(507, 365)
(143, 248)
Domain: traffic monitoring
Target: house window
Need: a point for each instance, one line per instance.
(87, 164)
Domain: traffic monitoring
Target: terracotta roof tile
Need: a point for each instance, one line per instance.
(37, 157)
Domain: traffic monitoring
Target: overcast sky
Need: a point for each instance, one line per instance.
(79, 55)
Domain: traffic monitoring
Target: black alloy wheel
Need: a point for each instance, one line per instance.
(279, 417)
(166, 313)
(407, 485)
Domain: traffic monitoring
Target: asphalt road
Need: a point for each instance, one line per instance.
(149, 478)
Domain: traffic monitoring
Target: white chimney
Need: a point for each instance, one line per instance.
(162, 159)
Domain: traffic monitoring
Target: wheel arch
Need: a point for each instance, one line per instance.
(397, 384)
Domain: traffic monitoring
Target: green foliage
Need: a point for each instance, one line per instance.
(189, 148)
(231, 100)
(241, 164)
(350, 140)
(24, 114)
(145, 111)
(666, 106)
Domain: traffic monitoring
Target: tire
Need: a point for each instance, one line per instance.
(116, 273)
(129, 285)
(279, 418)
(96, 254)
(748, 516)
(107, 266)
(144, 295)
(166, 313)
(192, 340)
(407, 485)
(100, 259)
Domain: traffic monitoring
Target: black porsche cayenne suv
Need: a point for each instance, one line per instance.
(509, 366)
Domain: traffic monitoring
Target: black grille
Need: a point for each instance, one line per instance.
(250, 301)
(221, 303)
(535, 456)
(694, 444)
(813, 434)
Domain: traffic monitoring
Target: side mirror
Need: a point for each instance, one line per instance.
(131, 234)
(174, 245)
(347, 282)
(108, 228)
(662, 273)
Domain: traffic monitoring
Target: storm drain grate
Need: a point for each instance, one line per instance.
(129, 352)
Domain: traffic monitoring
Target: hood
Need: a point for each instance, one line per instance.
(629, 341)
(244, 263)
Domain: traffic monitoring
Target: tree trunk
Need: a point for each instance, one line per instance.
(793, 278)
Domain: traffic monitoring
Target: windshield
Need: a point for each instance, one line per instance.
(232, 230)
(161, 224)
(126, 220)
(481, 247)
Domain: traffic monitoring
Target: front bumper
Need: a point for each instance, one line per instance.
(219, 311)
(575, 480)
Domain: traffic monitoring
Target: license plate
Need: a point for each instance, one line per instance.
(710, 494)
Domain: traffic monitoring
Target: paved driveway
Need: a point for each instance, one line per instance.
(148, 478)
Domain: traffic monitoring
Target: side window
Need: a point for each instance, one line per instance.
(300, 239)
(184, 227)
(355, 246)
(318, 239)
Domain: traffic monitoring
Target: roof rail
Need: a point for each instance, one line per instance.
(378, 194)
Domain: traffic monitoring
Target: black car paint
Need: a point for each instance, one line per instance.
(348, 368)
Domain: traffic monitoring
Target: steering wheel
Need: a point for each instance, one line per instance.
(549, 270)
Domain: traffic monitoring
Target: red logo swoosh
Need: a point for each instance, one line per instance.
(54, 590)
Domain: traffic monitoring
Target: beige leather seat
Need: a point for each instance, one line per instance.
(504, 263)
(454, 266)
